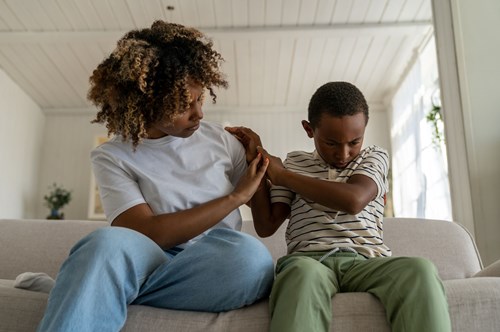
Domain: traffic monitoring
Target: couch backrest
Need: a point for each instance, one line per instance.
(445, 243)
(448, 244)
(42, 245)
(39, 245)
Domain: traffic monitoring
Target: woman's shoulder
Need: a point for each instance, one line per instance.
(215, 131)
(211, 127)
(112, 146)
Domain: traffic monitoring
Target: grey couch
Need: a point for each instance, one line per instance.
(473, 293)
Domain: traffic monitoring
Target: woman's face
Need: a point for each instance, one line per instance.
(188, 122)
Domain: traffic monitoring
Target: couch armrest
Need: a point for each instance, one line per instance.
(492, 270)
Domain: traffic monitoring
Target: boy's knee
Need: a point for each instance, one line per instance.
(302, 269)
(420, 268)
(422, 265)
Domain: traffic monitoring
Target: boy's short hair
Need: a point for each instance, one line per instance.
(337, 99)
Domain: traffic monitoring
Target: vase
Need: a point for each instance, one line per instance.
(55, 214)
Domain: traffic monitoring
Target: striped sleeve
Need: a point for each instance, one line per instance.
(375, 165)
(281, 194)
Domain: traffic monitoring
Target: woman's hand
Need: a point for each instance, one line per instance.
(248, 138)
(250, 181)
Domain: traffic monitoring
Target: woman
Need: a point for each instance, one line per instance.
(170, 185)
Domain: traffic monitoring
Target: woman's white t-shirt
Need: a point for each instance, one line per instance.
(170, 173)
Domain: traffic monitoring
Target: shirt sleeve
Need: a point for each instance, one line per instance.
(375, 165)
(118, 189)
(281, 194)
(237, 154)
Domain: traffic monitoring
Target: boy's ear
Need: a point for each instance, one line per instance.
(307, 127)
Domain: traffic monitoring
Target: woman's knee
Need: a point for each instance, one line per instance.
(109, 239)
(240, 246)
(116, 248)
(248, 258)
(115, 245)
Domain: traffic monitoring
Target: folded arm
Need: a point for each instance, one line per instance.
(351, 196)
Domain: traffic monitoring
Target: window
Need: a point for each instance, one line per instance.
(419, 164)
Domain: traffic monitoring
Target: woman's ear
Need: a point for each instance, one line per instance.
(307, 127)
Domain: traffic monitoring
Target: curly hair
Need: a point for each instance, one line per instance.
(337, 99)
(144, 80)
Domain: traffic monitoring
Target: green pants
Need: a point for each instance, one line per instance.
(408, 287)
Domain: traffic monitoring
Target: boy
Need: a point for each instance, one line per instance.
(334, 199)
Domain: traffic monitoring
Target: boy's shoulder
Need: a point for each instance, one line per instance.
(374, 150)
(299, 155)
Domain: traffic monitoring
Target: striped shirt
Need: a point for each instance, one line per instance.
(314, 227)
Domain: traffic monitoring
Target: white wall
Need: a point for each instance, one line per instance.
(68, 139)
(21, 127)
(476, 25)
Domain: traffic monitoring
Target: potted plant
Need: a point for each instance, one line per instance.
(435, 118)
(55, 200)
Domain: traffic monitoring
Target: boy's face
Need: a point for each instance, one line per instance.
(188, 122)
(338, 140)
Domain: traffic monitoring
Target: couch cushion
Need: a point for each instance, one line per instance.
(21, 310)
(474, 305)
(249, 319)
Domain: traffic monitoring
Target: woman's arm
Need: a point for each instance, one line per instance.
(171, 229)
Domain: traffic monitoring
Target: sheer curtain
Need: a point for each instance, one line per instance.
(419, 165)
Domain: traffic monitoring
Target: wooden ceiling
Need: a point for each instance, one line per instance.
(277, 52)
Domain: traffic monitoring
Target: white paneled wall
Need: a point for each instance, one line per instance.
(21, 127)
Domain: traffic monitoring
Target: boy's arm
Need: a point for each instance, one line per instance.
(350, 197)
(267, 216)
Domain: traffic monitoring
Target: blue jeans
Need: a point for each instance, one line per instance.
(115, 266)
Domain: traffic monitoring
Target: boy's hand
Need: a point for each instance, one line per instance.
(248, 138)
(275, 169)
